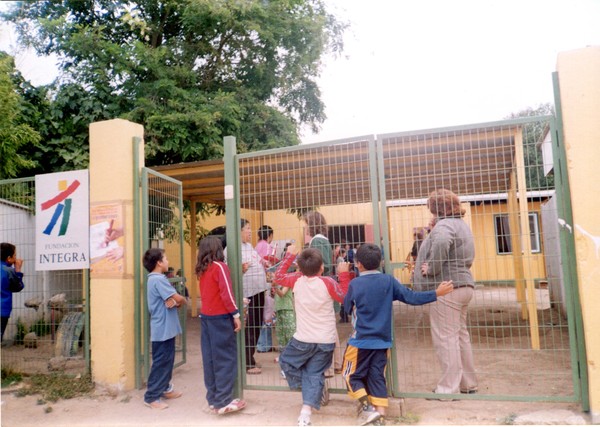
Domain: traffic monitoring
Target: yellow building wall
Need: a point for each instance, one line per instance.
(401, 221)
(208, 223)
(491, 266)
(488, 265)
(286, 226)
(579, 80)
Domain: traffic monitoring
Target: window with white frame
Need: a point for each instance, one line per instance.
(502, 232)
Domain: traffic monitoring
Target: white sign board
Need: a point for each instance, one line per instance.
(62, 222)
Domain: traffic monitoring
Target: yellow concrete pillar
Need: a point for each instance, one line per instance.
(112, 285)
(579, 79)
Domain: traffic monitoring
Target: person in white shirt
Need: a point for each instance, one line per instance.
(310, 351)
(255, 284)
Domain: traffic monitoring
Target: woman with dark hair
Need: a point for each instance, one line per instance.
(447, 253)
(255, 284)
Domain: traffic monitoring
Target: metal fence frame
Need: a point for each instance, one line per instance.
(43, 284)
(380, 219)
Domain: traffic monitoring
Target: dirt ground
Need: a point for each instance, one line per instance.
(505, 363)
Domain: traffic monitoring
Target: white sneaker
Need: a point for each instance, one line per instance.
(282, 374)
(304, 420)
(367, 415)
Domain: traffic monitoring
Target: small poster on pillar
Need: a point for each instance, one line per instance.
(107, 240)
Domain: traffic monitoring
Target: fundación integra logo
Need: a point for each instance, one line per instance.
(63, 207)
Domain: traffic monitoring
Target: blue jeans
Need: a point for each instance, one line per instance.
(304, 365)
(265, 339)
(163, 358)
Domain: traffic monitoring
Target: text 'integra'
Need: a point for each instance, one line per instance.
(62, 257)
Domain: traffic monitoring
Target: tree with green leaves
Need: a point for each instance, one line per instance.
(15, 133)
(532, 134)
(190, 71)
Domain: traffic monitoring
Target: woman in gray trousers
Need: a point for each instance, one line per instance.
(447, 254)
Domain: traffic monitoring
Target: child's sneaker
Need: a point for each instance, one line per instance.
(304, 420)
(378, 422)
(367, 415)
(157, 404)
(325, 395)
(282, 374)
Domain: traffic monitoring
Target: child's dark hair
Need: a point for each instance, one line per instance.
(209, 250)
(310, 261)
(264, 232)
(369, 255)
(7, 250)
(152, 257)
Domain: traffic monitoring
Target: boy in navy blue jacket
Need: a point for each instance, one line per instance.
(369, 300)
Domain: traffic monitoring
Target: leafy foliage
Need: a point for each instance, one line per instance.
(190, 71)
(532, 134)
(16, 135)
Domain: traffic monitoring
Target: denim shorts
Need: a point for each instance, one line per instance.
(304, 365)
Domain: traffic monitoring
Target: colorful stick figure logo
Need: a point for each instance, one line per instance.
(63, 209)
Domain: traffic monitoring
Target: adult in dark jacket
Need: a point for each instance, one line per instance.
(447, 253)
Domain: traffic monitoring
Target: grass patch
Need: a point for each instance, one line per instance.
(40, 327)
(10, 377)
(409, 418)
(21, 332)
(57, 386)
(508, 420)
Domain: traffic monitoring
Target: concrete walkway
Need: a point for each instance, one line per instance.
(265, 408)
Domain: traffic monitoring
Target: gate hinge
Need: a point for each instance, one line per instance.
(564, 224)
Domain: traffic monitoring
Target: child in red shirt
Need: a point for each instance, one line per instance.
(220, 320)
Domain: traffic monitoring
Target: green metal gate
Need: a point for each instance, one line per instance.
(523, 321)
(524, 326)
(160, 212)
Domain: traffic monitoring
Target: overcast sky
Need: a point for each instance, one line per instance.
(420, 64)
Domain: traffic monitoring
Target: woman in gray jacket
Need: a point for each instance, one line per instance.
(447, 253)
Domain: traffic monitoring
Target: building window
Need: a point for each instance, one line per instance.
(502, 231)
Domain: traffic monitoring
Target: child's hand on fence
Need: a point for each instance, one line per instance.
(292, 249)
(343, 267)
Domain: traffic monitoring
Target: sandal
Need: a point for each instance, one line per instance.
(254, 371)
(234, 406)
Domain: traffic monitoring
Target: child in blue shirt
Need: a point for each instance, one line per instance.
(369, 300)
(163, 301)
